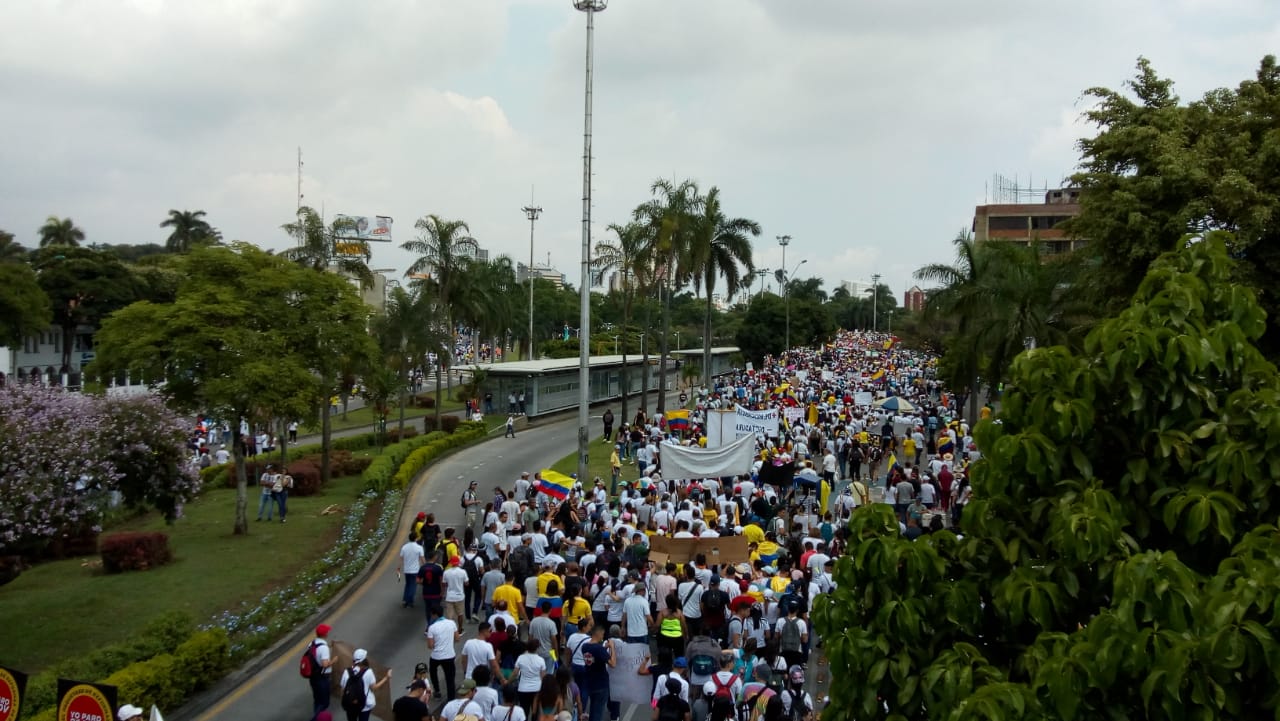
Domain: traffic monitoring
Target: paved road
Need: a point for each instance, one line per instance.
(372, 618)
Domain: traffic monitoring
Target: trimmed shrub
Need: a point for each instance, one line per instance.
(393, 435)
(429, 423)
(135, 551)
(449, 424)
(306, 477)
(424, 400)
(162, 635)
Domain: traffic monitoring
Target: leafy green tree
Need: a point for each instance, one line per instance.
(1158, 169)
(11, 251)
(60, 232)
(189, 230)
(231, 344)
(24, 306)
(761, 331)
(404, 341)
(1118, 558)
(807, 289)
(330, 337)
(83, 285)
(719, 246)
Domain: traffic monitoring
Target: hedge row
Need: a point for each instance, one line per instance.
(168, 679)
(223, 475)
(400, 462)
(163, 635)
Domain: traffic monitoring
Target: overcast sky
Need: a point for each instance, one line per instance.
(865, 130)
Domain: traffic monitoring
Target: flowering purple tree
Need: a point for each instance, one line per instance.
(146, 448)
(62, 453)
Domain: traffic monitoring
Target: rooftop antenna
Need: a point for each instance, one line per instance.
(300, 196)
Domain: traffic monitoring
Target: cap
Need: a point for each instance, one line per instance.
(681, 662)
(360, 655)
(455, 561)
(466, 685)
(323, 629)
(417, 684)
(524, 474)
(128, 711)
(420, 668)
(422, 516)
(715, 579)
(474, 483)
(744, 569)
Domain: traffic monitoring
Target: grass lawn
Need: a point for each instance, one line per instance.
(359, 417)
(66, 606)
(597, 464)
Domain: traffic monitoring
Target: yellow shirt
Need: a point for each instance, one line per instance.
(909, 446)
(545, 579)
(614, 461)
(513, 597)
(710, 515)
(580, 610)
(753, 533)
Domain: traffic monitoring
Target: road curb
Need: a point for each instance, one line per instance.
(294, 640)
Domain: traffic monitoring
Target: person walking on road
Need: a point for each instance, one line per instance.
(511, 427)
(412, 556)
(441, 636)
(362, 674)
(413, 705)
(322, 673)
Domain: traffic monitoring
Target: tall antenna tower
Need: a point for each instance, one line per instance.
(300, 196)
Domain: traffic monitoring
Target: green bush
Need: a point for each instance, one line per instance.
(162, 635)
(400, 462)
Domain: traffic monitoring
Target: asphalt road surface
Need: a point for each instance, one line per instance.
(372, 617)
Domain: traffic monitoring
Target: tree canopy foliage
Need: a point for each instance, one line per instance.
(1158, 169)
(1118, 559)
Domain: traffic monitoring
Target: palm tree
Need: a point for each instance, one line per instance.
(189, 230)
(321, 248)
(840, 293)
(60, 231)
(488, 301)
(669, 219)
(11, 251)
(405, 337)
(718, 246)
(960, 296)
(444, 249)
(622, 255)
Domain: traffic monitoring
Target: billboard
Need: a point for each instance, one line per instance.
(362, 227)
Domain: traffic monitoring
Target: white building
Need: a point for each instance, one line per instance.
(856, 288)
(539, 271)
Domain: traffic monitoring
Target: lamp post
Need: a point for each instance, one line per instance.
(875, 298)
(590, 7)
(531, 212)
(615, 344)
(644, 377)
(786, 297)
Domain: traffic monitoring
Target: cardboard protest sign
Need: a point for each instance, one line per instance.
(84, 701)
(719, 551)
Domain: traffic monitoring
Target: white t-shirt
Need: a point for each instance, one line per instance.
(928, 494)
(660, 689)
(503, 713)
(636, 609)
(455, 583)
(529, 669)
(782, 622)
(575, 644)
(369, 681)
(322, 654)
(487, 698)
(411, 555)
(442, 633)
(461, 705)
(478, 653)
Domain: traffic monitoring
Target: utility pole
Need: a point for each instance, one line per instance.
(875, 302)
(532, 212)
(590, 7)
(784, 241)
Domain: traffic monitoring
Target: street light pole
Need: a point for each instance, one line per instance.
(531, 212)
(786, 281)
(784, 241)
(590, 7)
(761, 273)
(875, 302)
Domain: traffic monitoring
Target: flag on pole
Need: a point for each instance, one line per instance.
(556, 485)
(888, 344)
(155, 714)
(678, 420)
(877, 375)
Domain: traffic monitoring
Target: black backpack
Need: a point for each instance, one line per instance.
(522, 560)
(353, 693)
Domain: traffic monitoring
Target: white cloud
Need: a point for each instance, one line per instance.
(864, 130)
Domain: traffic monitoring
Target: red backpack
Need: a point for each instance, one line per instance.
(309, 666)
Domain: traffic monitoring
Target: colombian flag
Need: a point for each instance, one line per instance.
(888, 344)
(877, 375)
(946, 445)
(556, 485)
(678, 420)
(893, 460)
